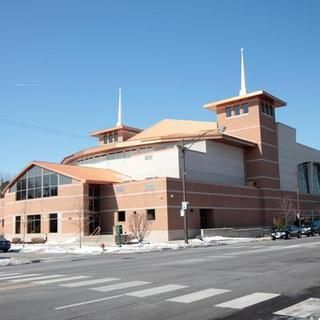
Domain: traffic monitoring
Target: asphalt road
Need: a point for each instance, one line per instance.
(262, 280)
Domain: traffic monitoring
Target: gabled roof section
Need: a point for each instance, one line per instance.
(80, 173)
(169, 128)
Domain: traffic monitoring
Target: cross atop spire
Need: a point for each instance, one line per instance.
(243, 89)
(119, 123)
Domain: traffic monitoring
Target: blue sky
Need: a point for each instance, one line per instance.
(62, 62)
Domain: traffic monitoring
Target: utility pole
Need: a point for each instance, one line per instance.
(185, 203)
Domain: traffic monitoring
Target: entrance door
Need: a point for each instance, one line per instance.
(206, 218)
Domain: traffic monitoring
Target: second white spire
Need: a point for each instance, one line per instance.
(119, 123)
(243, 89)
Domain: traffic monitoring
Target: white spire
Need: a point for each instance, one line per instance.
(119, 123)
(243, 89)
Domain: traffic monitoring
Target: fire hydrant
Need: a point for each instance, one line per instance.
(102, 246)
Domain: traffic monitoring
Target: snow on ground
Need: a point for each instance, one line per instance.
(128, 248)
(13, 262)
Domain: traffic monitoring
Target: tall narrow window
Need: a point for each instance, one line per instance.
(18, 225)
(228, 112)
(121, 216)
(34, 223)
(53, 222)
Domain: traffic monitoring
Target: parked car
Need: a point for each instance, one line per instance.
(5, 244)
(311, 228)
(286, 232)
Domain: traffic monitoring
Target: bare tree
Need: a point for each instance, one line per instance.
(287, 208)
(4, 181)
(138, 225)
(83, 217)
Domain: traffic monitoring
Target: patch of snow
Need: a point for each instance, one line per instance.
(134, 247)
(13, 262)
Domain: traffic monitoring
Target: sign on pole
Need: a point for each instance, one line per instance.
(184, 205)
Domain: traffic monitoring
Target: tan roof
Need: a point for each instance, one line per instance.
(167, 130)
(175, 128)
(83, 174)
(276, 101)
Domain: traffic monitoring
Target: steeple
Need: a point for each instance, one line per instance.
(243, 89)
(119, 123)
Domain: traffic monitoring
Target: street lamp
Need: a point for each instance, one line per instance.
(185, 203)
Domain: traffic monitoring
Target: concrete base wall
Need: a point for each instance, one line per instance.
(236, 233)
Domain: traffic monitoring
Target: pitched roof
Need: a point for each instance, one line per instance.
(169, 128)
(81, 173)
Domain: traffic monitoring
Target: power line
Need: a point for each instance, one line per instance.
(28, 126)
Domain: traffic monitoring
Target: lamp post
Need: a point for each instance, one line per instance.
(185, 203)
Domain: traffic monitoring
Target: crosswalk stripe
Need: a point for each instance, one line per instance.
(37, 278)
(3, 274)
(87, 302)
(61, 279)
(118, 286)
(303, 309)
(199, 295)
(155, 291)
(247, 301)
(88, 282)
(18, 276)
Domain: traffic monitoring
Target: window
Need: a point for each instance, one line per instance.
(94, 198)
(237, 110)
(267, 108)
(245, 108)
(151, 214)
(34, 223)
(38, 183)
(2, 223)
(121, 216)
(53, 222)
(18, 225)
(111, 137)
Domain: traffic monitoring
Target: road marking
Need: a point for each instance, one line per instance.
(3, 274)
(61, 280)
(199, 295)
(20, 276)
(303, 309)
(184, 262)
(247, 301)
(88, 282)
(16, 286)
(37, 278)
(87, 302)
(156, 290)
(120, 286)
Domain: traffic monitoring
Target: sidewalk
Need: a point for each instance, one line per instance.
(32, 253)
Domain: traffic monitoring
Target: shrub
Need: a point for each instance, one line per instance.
(16, 240)
(38, 240)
